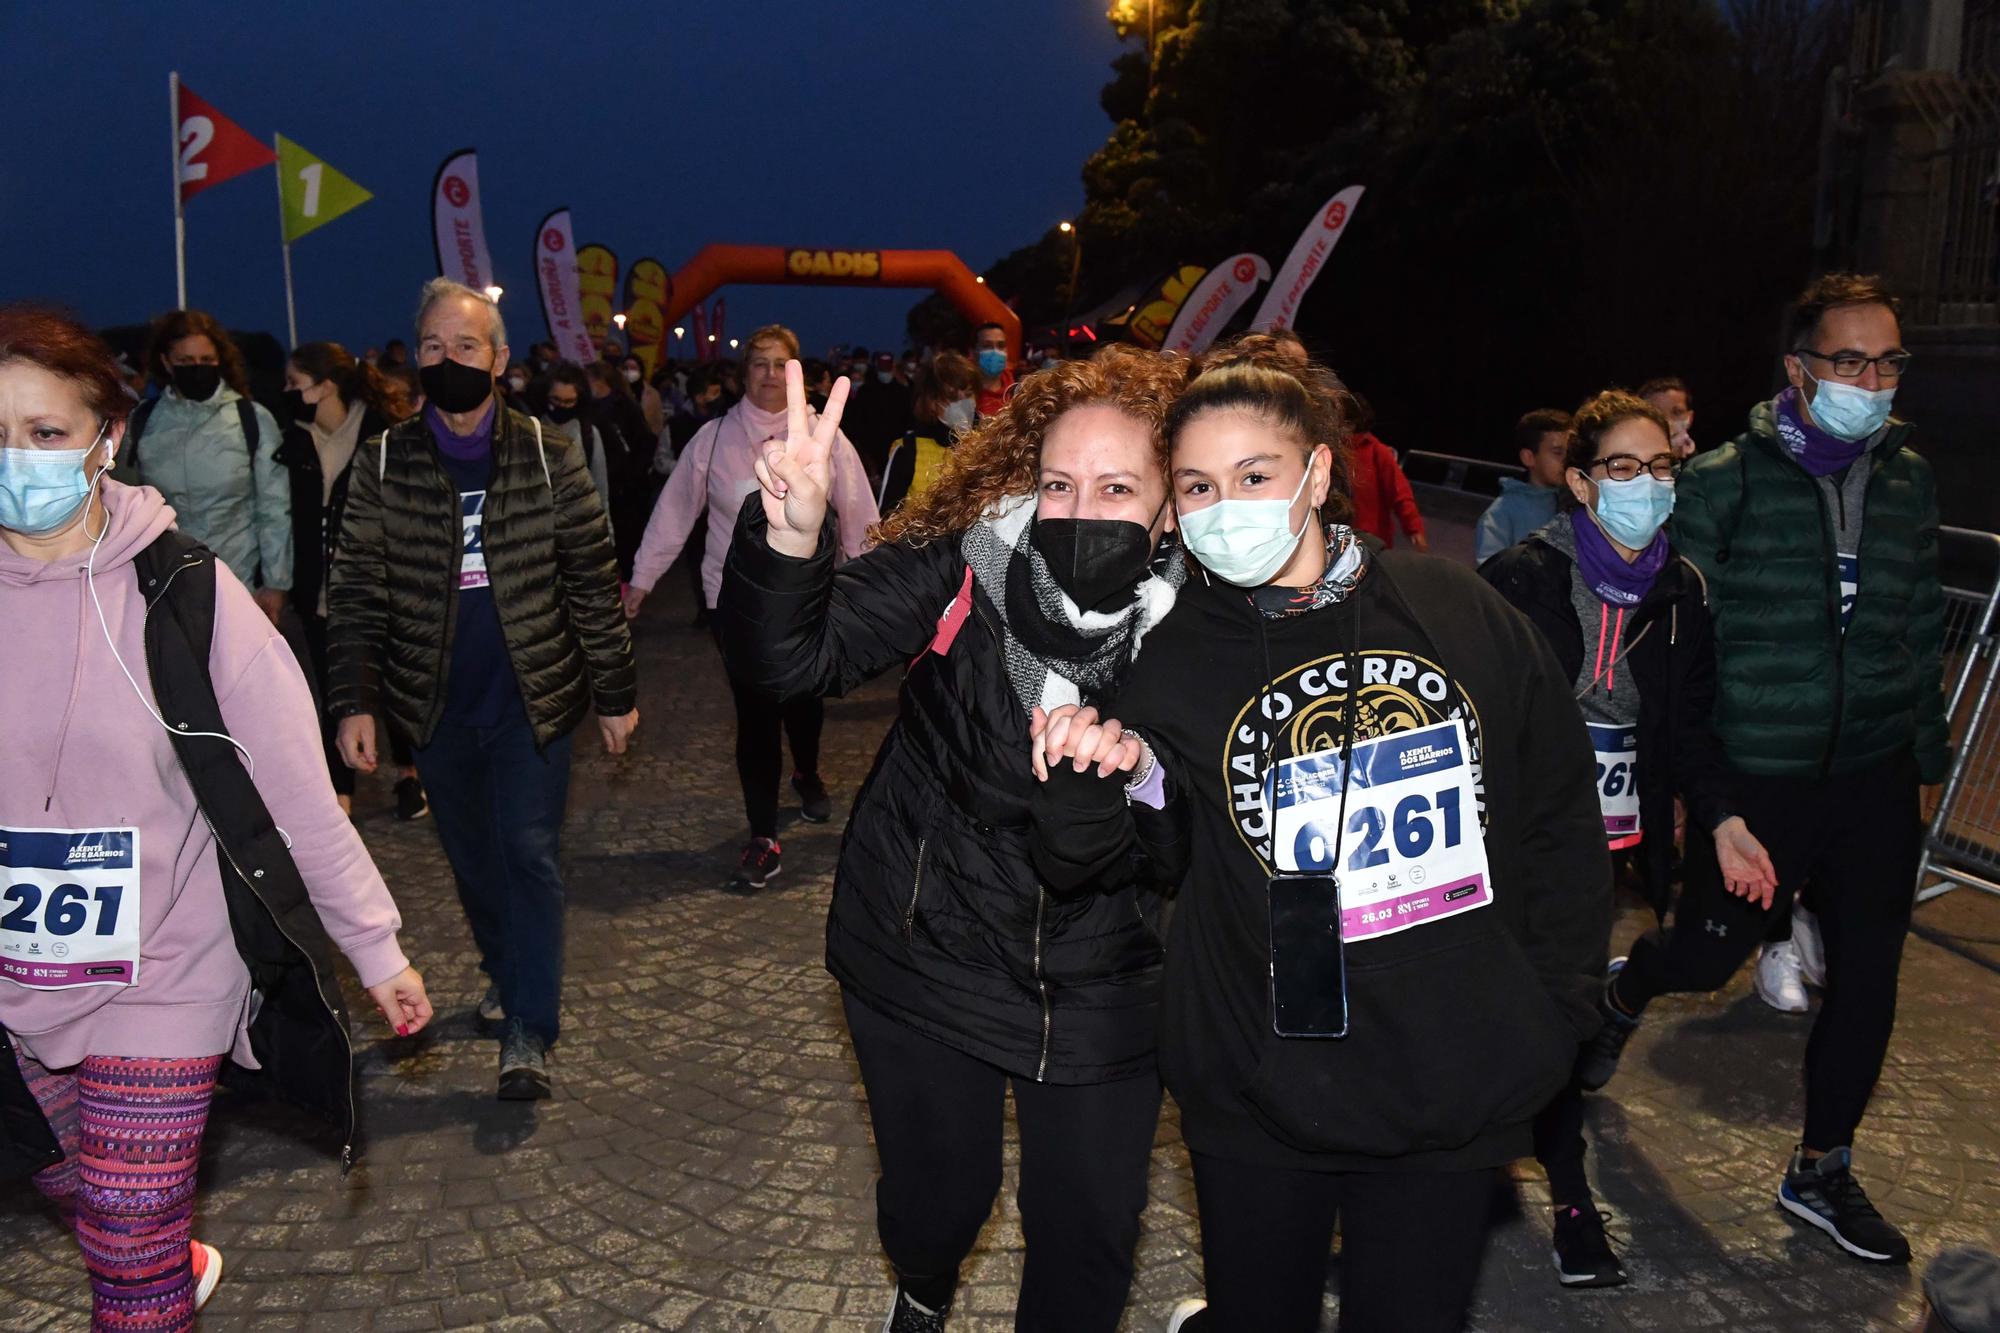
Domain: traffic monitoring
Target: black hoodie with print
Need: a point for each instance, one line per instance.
(1461, 1027)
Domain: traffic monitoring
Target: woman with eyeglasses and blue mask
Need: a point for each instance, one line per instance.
(1386, 948)
(147, 866)
(1629, 624)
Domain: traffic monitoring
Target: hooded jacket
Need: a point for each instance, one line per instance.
(1798, 693)
(1462, 1027)
(1521, 509)
(83, 752)
(195, 456)
(1669, 647)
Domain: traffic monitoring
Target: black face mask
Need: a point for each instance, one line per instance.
(562, 416)
(296, 404)
(454, 386)
(197, 384)
(1097, 561)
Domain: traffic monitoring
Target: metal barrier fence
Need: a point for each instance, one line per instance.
(1962, 844)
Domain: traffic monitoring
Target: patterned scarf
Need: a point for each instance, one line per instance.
(1055, 652)
(1346, 562)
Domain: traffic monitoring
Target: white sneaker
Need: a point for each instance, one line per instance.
(1183, 1312)
(1812, 949)
(1778, 982)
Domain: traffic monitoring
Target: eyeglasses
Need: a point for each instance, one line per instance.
(1849, 365)
(1625, 467)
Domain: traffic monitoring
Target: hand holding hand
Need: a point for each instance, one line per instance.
(1076, 734)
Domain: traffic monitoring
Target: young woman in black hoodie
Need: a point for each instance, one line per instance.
(969, 956)
(1628, 621)
(1468, 846)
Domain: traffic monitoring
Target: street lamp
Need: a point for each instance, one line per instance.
(980, 279)
(680, 331)
(733, 344)
(1069, 229)
(1065, 228)
(619, 319)
(493, 294)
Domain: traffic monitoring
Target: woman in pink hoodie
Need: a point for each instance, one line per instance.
(121, 986)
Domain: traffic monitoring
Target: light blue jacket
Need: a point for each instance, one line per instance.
(195, 455)
(1521, 508)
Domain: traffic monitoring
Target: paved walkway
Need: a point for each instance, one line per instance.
(706, 1163)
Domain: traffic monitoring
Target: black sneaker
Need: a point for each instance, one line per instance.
(759, 866)
(411, 803)
(1583, 1253)
(906, 1316)
(815, 806)
(524, 1070)
(490, 1012)
(1826, 1194)
(1598, 1060)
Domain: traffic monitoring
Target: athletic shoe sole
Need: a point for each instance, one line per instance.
(740, 881)
(523, 1085)
(811, 818)
(210, 1276)
(1798, 1208)
(1585, 1281)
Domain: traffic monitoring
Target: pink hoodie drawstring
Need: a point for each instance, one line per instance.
(1601, 670)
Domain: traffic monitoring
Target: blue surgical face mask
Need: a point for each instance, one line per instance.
(1847, 411)
(42, 489)
(1245, 542)
(1633, 512)
(992, 363)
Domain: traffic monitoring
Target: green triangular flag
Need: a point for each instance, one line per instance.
(314, 194)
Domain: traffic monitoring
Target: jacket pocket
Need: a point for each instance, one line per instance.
(1441, 1047)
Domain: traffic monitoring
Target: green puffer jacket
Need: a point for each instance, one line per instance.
(393, 600)
(1796, 697)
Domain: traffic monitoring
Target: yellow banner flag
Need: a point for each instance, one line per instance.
(313, 193)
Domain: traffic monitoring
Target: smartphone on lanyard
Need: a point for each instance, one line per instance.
(1308, 957)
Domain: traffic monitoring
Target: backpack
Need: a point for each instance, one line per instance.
(135, 426)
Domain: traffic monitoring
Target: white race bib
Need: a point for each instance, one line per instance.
(1413, 852)
(1617, 781)
(472, 512)
(69, 914)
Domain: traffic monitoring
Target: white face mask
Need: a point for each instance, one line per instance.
(631, 375)
(961, 416)
(1245, 542)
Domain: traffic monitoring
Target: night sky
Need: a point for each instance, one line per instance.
(852, 123)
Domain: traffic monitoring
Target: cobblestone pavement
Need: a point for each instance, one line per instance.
(706, 1162)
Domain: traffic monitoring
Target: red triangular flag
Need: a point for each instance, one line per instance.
(214, 147)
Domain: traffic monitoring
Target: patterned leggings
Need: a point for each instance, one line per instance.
(130, 1131)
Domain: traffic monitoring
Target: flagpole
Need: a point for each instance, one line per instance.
(291, 312)
(174, 174)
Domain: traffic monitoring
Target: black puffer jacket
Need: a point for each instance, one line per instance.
(1672, 657)
(393, 602)
(940, 918)
(316, 524)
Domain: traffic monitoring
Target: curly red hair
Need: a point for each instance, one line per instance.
(1001, 457)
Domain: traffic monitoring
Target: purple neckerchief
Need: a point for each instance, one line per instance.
(464, 448)
(1819, 453)
(1605, 572)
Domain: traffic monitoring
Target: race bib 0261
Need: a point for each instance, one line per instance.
(69, 912)
(1411, 852)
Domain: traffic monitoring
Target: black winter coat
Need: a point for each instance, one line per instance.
(316, 525)
(1671, 653)
(393, 603)
(940, 919)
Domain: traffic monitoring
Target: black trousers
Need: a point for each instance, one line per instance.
(760, 753)
(1857, 837)
(1410, 1246)
(938, 1115)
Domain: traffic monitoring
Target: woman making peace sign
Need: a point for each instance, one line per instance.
(1026, 578)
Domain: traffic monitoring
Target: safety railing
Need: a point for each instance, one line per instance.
(1962, 842)
(1475, 476)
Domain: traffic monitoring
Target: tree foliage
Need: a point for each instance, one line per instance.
(1563, 194)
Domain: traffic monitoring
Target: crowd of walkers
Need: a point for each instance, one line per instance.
(1197, 781)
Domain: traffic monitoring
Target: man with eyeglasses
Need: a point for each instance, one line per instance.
(1816, 531)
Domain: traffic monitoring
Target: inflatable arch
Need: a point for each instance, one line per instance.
(719, 265)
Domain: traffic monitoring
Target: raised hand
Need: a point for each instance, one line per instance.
(796, 473)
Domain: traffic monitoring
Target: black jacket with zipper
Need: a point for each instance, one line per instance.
(1462, 1028)
(298, 1025)
(316, 521)
(1670, 649)
(942, 919)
